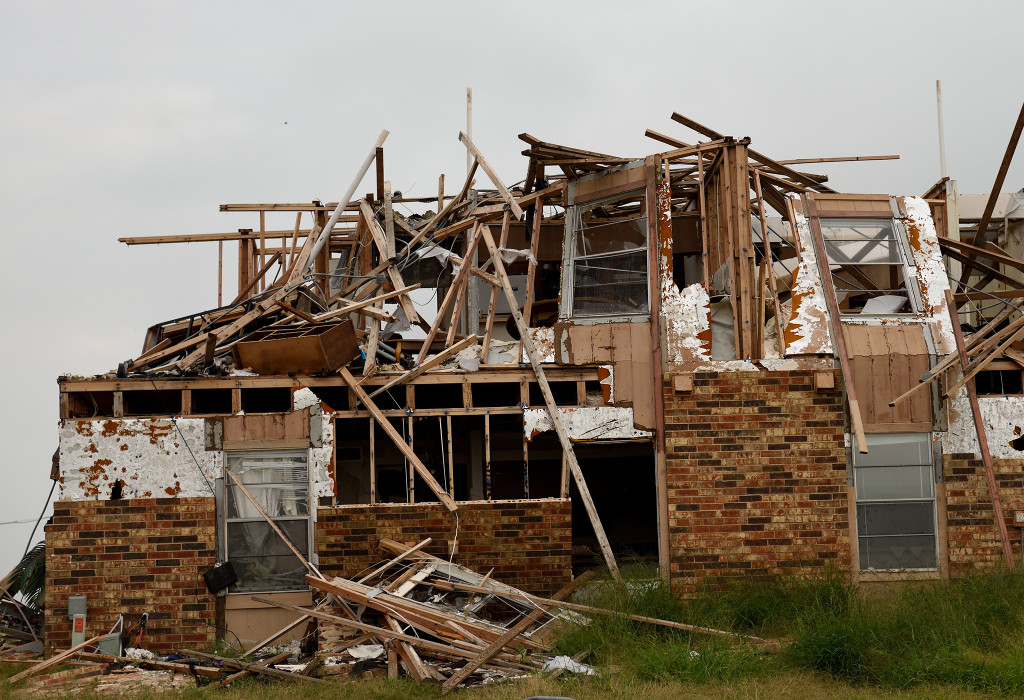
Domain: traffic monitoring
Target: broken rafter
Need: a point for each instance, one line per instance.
(495, 180)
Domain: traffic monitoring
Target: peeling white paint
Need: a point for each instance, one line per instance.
(1003, 417)
(152, 459)
(687, 313)
(544, 341)
(807, 330)
(931, 273)
(609, 382)
(589, 423)
(149, 456)
(304, 398)
(320, 463)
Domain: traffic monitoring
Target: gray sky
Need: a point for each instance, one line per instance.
(140, 118)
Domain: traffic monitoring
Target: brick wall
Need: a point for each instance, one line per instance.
(756, 476)
(131, 557)
(528, 543)
(971, 532)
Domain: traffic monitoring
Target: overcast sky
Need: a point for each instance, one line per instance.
(140, 118)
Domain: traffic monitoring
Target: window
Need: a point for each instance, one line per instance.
(896, 503)
(869, 260)
(999, 382)
(279, 482)
(608, 257)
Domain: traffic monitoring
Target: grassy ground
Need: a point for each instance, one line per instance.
(962, 638)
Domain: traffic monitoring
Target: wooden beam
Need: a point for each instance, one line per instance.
(986, 216)
(53, 660)
(837, 159)
(495, 180)
(553, 410)
(447, 501)
(391, 562)
(979, 426)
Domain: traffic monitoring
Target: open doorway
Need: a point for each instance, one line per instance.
(621, 477)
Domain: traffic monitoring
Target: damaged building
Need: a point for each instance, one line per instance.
(699, 364)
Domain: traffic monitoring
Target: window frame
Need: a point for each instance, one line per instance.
(934, 487)
(223, 486)
(570, 255)
(907, 262)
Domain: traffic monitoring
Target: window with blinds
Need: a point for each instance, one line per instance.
(279, 482)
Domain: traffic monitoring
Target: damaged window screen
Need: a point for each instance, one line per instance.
(868, 259)
(279, 482)
(896, 503)
(609, 269)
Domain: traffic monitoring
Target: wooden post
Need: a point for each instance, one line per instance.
(552, 406)
(373, 462)
(220, 274)
(451, 460)
(487, 455)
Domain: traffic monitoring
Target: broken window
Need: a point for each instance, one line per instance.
(871, 266)
(896, 503)
(608, 257)
(279, 482)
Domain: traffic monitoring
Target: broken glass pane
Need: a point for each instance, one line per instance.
(261, 558)
(614, 284)
(598, 237)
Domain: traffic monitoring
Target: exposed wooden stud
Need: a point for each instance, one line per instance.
(373, 461)
(451, 455)
(400, 443)
(487, 455)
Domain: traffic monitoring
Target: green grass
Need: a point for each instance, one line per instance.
(960, 638)
(965, 634)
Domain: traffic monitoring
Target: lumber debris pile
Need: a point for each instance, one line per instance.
(433, 620)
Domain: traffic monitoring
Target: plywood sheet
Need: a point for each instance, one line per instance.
(885, 362)
(625, 346)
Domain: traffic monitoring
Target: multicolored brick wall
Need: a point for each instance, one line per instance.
(971, 531)
(756, 476)
(528, 543)
(146, 555)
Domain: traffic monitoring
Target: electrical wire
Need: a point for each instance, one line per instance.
(46, 505)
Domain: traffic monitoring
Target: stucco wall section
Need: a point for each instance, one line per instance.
(931, 274)
(150, 456)
(1003, 417)
(806, 333)
(589, 423)
(154, 459)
